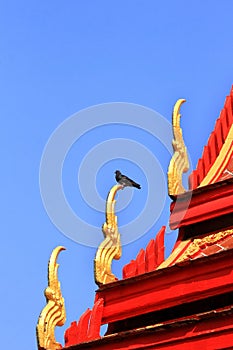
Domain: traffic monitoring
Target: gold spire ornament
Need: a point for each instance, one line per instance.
(53, 313)
(179, 163)
(110, 248)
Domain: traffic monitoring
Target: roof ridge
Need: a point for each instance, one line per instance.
(214, 144)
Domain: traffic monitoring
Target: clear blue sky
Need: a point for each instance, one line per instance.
(59, 57)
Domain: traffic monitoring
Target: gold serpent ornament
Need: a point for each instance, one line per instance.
(179, 163)
(110, 248)
(53, 313)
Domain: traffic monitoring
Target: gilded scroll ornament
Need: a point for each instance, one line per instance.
(179, 163)
(110, 248)
(199, 244)
(53, 313)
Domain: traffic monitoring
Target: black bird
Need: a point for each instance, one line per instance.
(125, 181)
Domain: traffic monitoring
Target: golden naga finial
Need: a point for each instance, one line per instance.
(179, 163)
(110, 248)
(53, 313)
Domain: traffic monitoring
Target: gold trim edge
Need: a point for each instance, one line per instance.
(110, 248)
(179, 163)
(54, 313)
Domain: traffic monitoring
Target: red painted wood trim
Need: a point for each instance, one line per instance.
(71, 334)
(83, 325)
(200, 332)
(202, 204)
(150, 256)
(88, 327)
(160, 247)
(95, 321)
(181, 283)
(149, 259)
(77, 332)
(140, 260)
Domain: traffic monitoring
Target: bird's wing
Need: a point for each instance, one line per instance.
(124, 177)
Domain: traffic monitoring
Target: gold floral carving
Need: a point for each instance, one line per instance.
(110, 248)
(199, 244)
(179, 163)
(53, 313)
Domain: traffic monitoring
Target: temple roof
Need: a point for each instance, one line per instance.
(148, 309)
(216, 163)
(158, 300)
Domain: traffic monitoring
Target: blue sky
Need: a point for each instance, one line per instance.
(58, 58)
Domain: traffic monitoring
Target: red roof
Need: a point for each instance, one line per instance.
(216, 158)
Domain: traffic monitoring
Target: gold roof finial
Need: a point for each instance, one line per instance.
(179, 163)
(53, 313)
(110, 248)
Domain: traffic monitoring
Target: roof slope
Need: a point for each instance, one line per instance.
(216, 163)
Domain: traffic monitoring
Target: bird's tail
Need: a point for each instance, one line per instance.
(136, 185)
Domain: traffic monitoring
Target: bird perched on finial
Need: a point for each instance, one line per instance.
(125, 181)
